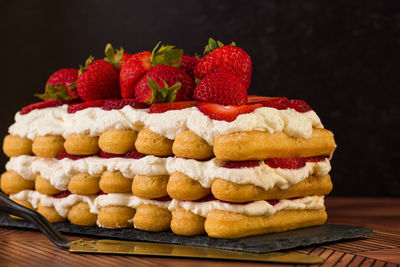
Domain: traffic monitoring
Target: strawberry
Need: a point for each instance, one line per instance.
(117, 57)
(88, 104)
(62, 194)
(298, 105)
(120, 103)
(45, 104)
(225, 113)
(221, 87)
(107, 155)
(286, 163)
(273, 202)
(128, 155)
(137, 66)
(316, 159)
(101, 193)
(163, 107)
(61, 85)
(241, 164)
(63, 155)
(132, 71)
(164, 84)
(255, 99)
(164, 198)
(188, 64)
(228, 57)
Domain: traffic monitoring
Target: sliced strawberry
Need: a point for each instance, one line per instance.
(286, 163)
(88, 104)
(298, 105)
(100, 193)
(316, 159)
(225, 113)
(64, 155)
(134, 155)
(255, 99)
(164, 198)
(62, 194)
(120, 103)
(241, 164)
(273, 202)
(163, 107)
(106, 155)
(45, 104)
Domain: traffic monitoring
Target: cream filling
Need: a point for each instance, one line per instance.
(95, 121)
(255, 208)
(63, 205)
(60, 172)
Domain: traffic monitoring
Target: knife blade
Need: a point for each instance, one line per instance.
(171, 250)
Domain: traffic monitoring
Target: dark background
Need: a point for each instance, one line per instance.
(342, 57)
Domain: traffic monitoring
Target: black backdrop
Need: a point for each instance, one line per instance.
(342, 57)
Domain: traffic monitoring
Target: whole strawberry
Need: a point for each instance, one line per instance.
(61, 85)
(99, 79)
(228, 57)
(137, 66)
(164, 84)
(188, 64)
(221, 87)
(116, 57)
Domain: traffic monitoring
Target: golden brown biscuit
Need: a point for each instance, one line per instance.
(11, 183)
(118, 141)
(223, 224)
(257, 145)
(311, 186)
(152, 218)
(84, 184)
(150, 143)
(48, 146)
(50, 214)
(78, 144)
(187, 223)
(79, 214)
(189, 145)
(115, 217)
(14, 146)
(115, 182)
(182, 187)
(43, 186)
(154, 186)
(23, 203)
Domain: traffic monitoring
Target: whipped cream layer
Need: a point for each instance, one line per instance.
(95, 121)
(60, 172)
(63, 205)
(263, 175)
(255, 208)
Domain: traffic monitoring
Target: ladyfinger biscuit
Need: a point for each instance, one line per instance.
(11, 183)
(150, 143)
(115, 217)
(115, 182)
(257, 145)
(84, 184)
(48, 146)
(187, 223)
(79, 214)
(77, 144)
(189, 145)
(43, 186)
(145, 186)
(223, 224)
(14, 146)
(228, 191)
(118, 141)
(182, 187)
(152, 218)
(50, 214)
(23, 203)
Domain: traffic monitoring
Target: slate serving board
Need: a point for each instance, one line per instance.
(255, 244)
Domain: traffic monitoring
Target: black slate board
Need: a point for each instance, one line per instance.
(255, 244)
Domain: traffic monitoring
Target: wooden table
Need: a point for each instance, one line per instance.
(29, 248)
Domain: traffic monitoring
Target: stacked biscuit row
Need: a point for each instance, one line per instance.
(183, 184)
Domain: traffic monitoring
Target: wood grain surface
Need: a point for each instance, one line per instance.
(30, 248)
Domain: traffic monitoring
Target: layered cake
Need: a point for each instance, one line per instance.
(162, 141)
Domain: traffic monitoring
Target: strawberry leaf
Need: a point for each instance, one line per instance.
(54, 92)
(166, 55)
(87, 63)
(113, 57)
(173, 90)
